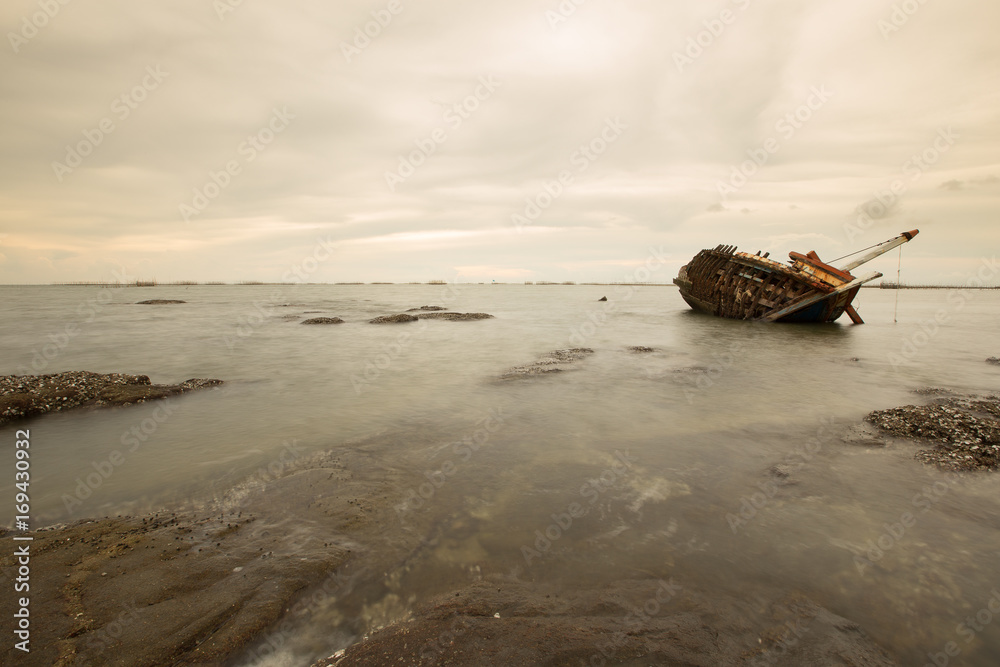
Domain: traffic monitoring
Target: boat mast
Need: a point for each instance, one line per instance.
(880, 249)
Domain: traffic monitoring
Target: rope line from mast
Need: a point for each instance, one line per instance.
(862, 250)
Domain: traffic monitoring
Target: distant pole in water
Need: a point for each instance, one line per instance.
(899, 267)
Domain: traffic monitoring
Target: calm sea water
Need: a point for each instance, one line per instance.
(701, 419)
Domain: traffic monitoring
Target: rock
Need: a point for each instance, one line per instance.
(23, 396)
(691, 627)
(158, 302)
(455, 317)
(553, 362)
(323, 320)
(780, 470)
(603, 298)
(571, 354)
(864, 435)
(965, 431)
(933, 391)
(640, 349)
(426, 308)
(994, 360)
(393, 319)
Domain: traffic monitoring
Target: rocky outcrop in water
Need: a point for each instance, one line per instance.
(553, 362)
(640, 349)
(323, 320)
(393, 319)
(158, 302)
(994, 360)
(455, 317)
(24, 396)
(964, 430)
(426, 308)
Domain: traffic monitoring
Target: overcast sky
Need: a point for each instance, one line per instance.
(187, 140)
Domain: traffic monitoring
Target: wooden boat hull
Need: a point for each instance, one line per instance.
(741, 286)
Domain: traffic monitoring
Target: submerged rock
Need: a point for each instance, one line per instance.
(426, 308)
(323, 320)
(994, 360)
(640, 349)
(933, 391)
(23, 396)
(553, 362)
(455, 317)
(158, 302)
(393, 319)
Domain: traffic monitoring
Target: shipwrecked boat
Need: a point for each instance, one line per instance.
(742, 286)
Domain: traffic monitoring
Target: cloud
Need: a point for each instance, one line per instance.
(956, 184)
(414, 95)
(879, 209)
